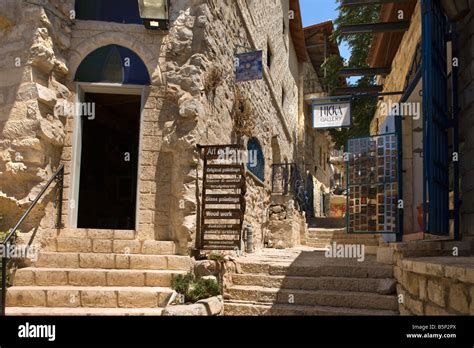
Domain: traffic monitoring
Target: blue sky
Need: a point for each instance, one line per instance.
(317, 11)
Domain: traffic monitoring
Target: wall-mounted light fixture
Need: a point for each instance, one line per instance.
(155, 13)
(456, 9)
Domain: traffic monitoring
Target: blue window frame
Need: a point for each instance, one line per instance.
(113, 64)
(255, 151)
(118, 11)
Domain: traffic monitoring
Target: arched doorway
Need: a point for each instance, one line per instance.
(110, 86)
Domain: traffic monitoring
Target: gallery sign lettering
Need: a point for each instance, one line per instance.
(223, 203)
(223, 169)
(332, 115)
(223, 199)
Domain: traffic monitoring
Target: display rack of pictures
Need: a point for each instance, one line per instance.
(372, 184)
(223, 203)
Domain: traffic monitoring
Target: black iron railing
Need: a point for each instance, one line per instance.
(287, 180)
(58, 177)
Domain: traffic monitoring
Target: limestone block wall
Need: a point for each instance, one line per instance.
(191, 101)
(33, 70)
(268, 25)
(435, 287)
(466, 99)
(242, 28)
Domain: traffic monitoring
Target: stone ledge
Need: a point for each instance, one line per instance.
(436, 285)
(457, 268)
(213, 306)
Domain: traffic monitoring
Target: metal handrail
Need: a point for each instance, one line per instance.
(59, 178)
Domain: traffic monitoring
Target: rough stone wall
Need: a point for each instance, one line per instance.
(33, 45)
(251, 27)
(433, 278)
(185, 105)
(432, 288)
(466, 99)
(264, 21)
(395, 82)
(287, 226)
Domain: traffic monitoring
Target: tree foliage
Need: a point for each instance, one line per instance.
(363, 109)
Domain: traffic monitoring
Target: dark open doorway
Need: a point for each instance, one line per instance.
(109, 162)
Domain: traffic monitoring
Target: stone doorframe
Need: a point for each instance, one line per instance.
(105, 88)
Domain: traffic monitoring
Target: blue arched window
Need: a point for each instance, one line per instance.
(118, 11)
(256, 162)
(114, 64)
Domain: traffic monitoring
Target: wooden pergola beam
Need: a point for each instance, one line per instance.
(364, 71)
(349, 29)
(349, 3)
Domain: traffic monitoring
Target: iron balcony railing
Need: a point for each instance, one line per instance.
(58, 177)
(287, 180)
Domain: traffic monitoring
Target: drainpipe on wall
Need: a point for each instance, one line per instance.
(249, 239)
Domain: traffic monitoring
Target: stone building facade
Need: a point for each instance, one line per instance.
(407, 50)
(433, 273)
(191, 100)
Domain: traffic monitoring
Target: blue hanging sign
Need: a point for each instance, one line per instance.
(249, 66)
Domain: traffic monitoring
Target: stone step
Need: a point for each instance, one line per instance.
(327, 230)
(244, 308)
(317, 245)
(370, 242)
(93, 277)
(341, 235)
(97, 234)
(113, 261)
(327, 222)
(321, 241)
(381, 286)
(333, 269)
(94, 297)
(81, 311)
(90, 245)
(348, 299)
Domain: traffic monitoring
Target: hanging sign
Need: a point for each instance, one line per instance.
(332, 115)
(248, 66)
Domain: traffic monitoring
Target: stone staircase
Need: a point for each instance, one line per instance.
(97, 272)
(322, 237)
(310, 284)
(324, 231)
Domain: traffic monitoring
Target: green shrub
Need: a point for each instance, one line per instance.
(194, 289)
(216, 257)
(202, 289)
(182, 283)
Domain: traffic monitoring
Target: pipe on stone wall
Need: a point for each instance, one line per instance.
(249, 239)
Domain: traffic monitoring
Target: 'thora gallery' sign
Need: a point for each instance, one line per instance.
(332, 115)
